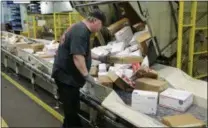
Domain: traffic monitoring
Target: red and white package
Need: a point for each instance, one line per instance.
(135, 66)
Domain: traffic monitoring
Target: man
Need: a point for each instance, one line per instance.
(72, 64)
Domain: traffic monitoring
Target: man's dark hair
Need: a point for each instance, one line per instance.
(96, 13)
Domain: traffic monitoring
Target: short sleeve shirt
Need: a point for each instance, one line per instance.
(76, 42)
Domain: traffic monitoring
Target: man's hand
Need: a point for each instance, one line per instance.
(90, 79)
(103, 59)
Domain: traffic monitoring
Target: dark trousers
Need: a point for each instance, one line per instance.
(70, 97)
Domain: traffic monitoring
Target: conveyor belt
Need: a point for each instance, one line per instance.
(18, 110)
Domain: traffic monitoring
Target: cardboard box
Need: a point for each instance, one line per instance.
(37, 46)
(144, 101)
(106, 81)
(124, 35)
(176, 99)
(124, 60)
(118, 81)
(183, 120)
(143, 36)
(94, 71)
(113, 28)
(141, 39)
(149, 84)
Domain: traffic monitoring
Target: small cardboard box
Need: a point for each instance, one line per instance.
(106, 81)
(176, 99)
(118, 81)
(183, 120)
(118, 25)
(149, 84)
(124, 60)
(145, 101)
(94, 71)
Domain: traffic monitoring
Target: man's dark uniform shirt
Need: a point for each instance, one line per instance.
(76, 42)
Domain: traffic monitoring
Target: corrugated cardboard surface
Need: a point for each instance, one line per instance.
(184, 120)
(125, 60)
(149, 84)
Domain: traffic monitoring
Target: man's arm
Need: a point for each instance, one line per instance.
(79, 62)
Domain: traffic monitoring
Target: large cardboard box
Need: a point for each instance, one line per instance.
(149, 84)
(176, 99)
(125, 59)
(118, 81)
(113, 28)
(144, 101)
(106, 81)
(183, 120)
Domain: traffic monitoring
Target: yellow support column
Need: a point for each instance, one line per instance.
(28, 28)
(54, 23)
(192, 38)
(59, 25)
(70, 19)
(34, 27)
(180, 33)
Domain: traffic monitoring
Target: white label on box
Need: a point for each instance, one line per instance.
(102, 67)
(102, 74)
(144, 101)
(176, 99)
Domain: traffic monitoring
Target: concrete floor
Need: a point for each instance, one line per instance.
(18, 110)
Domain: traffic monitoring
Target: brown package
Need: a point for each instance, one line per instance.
(183, 120)
(148, 74)
(125, 60)
(113, 28)
(149, 84)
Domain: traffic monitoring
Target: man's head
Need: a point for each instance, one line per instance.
(96, 20)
